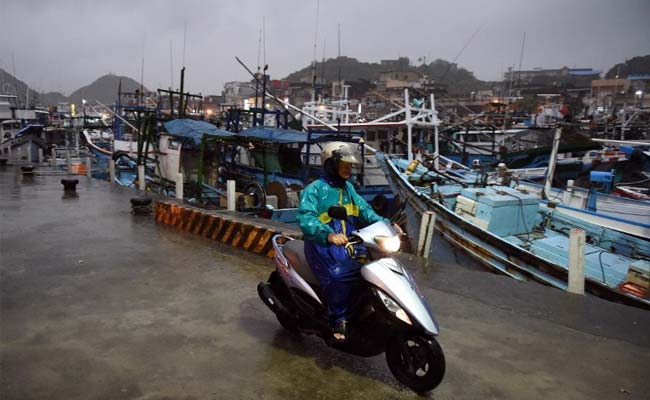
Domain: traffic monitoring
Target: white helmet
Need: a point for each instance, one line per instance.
(340, 151)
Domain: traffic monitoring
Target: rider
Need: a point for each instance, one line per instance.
(325, 238)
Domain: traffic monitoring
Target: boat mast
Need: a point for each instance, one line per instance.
(313, 63)
(409, 126)
(257, 82)
(550, 171)
(436, 149)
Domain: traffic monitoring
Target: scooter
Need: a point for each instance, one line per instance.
(389, 313)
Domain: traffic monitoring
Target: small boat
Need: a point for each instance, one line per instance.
(283, 161)
(516, 233)
(625, 214)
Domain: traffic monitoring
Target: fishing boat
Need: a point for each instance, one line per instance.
(283, 161)
(627, 214)
(515, 233)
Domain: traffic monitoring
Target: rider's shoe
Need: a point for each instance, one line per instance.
(340, 330)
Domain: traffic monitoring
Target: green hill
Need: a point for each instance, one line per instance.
(353, 70)
(104, 89)
(636, 65)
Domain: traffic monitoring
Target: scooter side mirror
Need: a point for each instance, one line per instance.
(337, 212)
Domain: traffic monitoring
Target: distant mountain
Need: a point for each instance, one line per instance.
(52, 98)
(352, 70)
(11, 85)
(636, 65)
(103, 89)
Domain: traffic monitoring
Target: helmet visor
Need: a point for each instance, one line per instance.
(347, 154)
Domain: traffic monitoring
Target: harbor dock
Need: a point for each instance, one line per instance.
(99, 303)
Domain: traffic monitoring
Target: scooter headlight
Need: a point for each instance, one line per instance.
(393, 307)
(389, 244)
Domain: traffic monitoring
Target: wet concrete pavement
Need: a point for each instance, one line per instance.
(96, 303)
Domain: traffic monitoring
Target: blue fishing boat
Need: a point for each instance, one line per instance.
(283, 161)
(515, 233)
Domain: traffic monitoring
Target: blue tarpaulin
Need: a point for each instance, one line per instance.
(194, 130)
(34, 129)
(274, 135)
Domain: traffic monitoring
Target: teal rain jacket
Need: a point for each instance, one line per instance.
(317, 197)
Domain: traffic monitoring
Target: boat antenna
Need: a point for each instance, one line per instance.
(313, 63)
(286, 104)
(339, 62)
(516, 83)
(141, 82)
(257, 82)
(171, 67)
(13, 71)
(264, 41)
(322, 65)
(460, 52)
(521, 58)
(184, 40)
(259, 50)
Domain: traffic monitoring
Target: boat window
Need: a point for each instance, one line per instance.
(173, 144)
(290, 159)
(266, 159)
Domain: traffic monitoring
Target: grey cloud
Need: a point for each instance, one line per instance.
(62, 45)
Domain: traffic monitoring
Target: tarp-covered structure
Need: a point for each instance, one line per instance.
(30, 129)
(276, 135)
(193, 130)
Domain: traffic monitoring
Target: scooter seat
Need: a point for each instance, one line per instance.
(294, 251)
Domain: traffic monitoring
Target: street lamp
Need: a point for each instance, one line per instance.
(639, 95)
(83, 101)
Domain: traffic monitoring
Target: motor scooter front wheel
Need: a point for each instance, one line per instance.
(416, 361)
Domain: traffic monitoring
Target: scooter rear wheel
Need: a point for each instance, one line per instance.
(416, 361)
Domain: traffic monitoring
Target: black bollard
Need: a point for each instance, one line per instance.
(27, 169)
(141, 205)
(69, 185)
(3, 162)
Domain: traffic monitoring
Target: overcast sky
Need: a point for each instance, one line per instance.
(61, 45)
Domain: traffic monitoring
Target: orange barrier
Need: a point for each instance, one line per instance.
(237, 230)
(78, 168)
